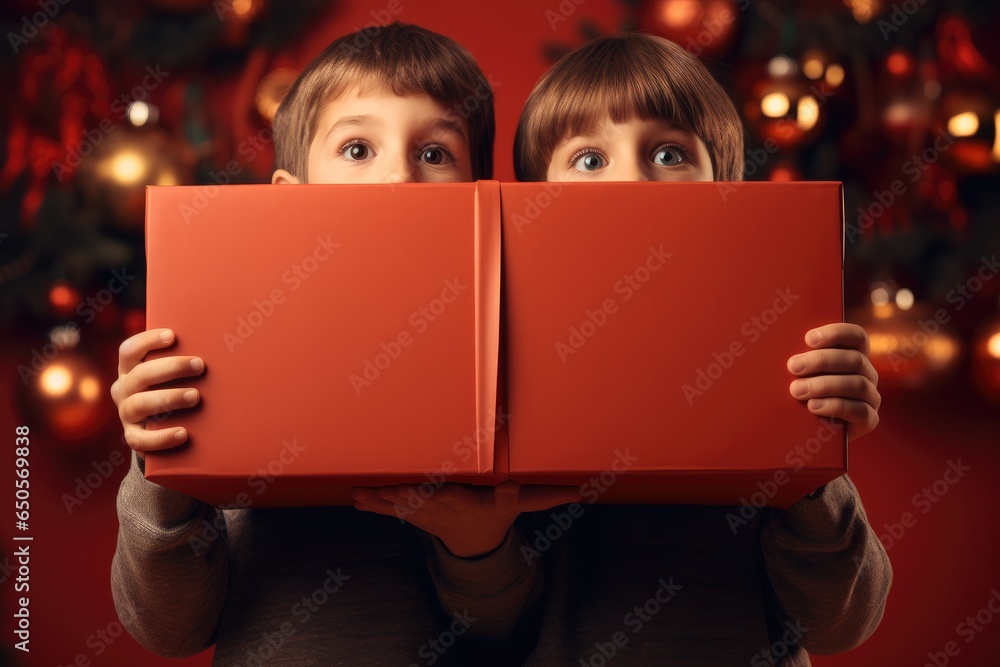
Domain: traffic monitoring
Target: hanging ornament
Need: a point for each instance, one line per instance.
(125, 162)
(966, 130)
(703, 27)
(910, 346)
(782, 106)
(64, 393)
(785, 170)
(63, 298)
(986, 358)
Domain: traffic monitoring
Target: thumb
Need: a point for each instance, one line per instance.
(505, 495)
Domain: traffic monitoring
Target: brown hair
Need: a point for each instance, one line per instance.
(627, 76)
(408, 60)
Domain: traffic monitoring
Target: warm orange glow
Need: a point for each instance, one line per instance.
(775, 105)
(679, 13)
(56, 380)
(62, 296)
(964, 124)
(834, 75)
(90, 388)
(808, 112)
(993, 345)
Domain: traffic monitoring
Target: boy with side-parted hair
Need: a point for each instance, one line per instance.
(323, 586)
(703, 585)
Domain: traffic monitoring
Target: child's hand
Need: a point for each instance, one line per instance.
(470, 520)
(136, 402)
(838, 380)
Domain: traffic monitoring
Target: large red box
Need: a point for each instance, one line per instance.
(352, 336)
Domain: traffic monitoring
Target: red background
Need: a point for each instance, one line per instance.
(945, 566)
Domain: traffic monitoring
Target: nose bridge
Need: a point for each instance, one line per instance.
(631, 166)
(398, 164)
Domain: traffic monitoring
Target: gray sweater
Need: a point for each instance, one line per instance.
(640, 584)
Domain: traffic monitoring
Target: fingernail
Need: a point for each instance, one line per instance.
(816, 404)
(799, 389)
(197, 364)
(191, 396)
(813, 337)
(797, 364)
(180, 435)
(166, 336)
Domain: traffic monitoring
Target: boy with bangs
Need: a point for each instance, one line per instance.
(323, 586)
(813, 577)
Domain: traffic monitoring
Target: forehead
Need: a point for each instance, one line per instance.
(377, 107)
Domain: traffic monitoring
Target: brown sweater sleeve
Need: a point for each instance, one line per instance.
(170, 568)
(498, 589)
(828, 569)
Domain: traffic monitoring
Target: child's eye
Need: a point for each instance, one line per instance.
(436, 155)
(356, 151)
(670, 155)
(587, 160)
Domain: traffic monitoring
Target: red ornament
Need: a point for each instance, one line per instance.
(703, 27)
(965, 131)
(785, 110)
(66, 396)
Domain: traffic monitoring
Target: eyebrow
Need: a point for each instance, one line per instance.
(350, 120)
(443, 124)
(667, 125)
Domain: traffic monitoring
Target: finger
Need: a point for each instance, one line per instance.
(141, 440)
(134, 348)
(839, 334)
(538, 497)
(139, 407)
(860, 416)
(154, 372)
(367, 500)
(833, 360)
(856, 387)
(462, 496)
(505, 496)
